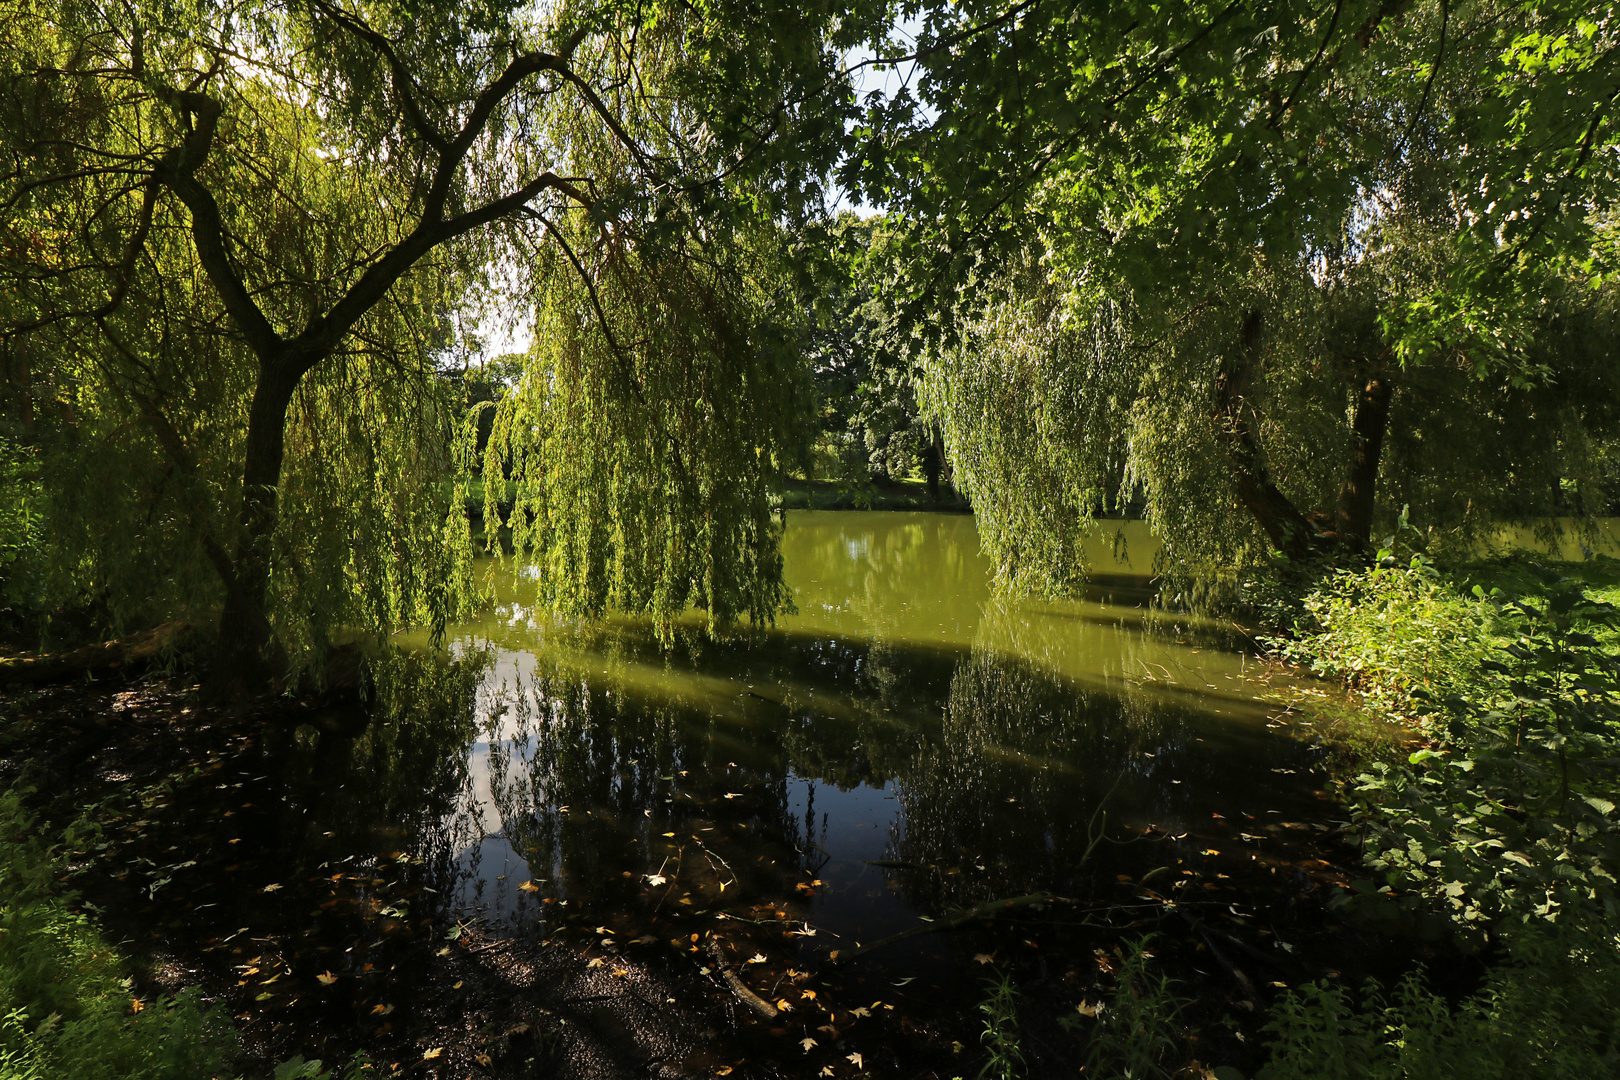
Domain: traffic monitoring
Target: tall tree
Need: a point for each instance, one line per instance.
(222, 218)
(1174, 162)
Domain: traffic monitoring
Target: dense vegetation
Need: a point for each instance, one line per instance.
(1279, 277)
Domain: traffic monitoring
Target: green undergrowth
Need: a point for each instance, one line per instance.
(1501, 830)
(67, 1010)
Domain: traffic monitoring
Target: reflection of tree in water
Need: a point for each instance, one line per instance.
(587, 780)
(1022, 765)
(395, 784)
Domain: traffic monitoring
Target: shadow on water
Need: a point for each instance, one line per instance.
(905, 747)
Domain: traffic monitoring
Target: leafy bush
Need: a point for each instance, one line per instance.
(66, 1008)
(1506, 823)
(1553, 1014)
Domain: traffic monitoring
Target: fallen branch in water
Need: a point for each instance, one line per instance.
(984, 911)
(738, 987)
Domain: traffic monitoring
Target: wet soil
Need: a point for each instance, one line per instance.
(213, 869)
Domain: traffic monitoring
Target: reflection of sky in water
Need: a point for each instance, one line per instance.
(907, 741)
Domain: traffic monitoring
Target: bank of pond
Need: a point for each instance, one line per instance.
(914, 829)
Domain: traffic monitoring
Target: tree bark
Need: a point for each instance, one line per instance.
(1288, 530)
(246, 657)
(1357, 498)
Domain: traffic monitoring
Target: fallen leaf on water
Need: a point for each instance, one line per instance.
(855, 1059)
(621, 973)
(1086, 1008)
(381, 1010)
(785, 1005)
(326, 978)
(656, 879)
(669, 834)
(271, 888)
(444, 951)
(757, 958)
(529, 886)
(733, 795)
(429, 1055)
(808, 1043)
(485, 1060)
(598, 962)
(724, 1070)
(983, 958)
(860, 1012)
(833, 955)
(457, 986)
(828, 1030)
(826, 1070)
(809, 995)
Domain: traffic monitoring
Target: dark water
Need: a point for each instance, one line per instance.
(904, 748)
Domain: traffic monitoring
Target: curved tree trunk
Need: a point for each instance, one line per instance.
(1288, 530)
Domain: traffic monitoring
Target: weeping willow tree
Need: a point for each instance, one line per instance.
(235, 233)
(1266, 272)
(663, 396)
(1270, 415)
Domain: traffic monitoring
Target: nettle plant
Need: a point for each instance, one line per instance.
(1511, 817)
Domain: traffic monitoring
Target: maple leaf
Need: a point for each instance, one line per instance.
(656, 879)
(855, 1059)
(807, 1042)
(862, 1011)
(326, 978)
(529, 886)
(429, 1055)
(984, 958)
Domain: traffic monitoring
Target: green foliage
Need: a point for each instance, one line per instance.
(66, 1011)
(1136, 1034)
(1402, 636)
(1004, 1058)
(1551, 1012)
(657, 407)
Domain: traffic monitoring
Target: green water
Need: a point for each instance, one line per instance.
(904, 745)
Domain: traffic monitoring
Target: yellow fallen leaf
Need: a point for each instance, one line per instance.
(809, 995)
(860, 1012)
(529, 886)
(429, 1055)
(757, 958)
(808, 1043)
(456, 987)
(621, 973)
(326, 978)
(855, 1059)
(1086, 1008)
(785, 1005)
(984, 958)
(381, 1010)
(271, 888)
(724, 1070)
(596, 963)
(485, 1060)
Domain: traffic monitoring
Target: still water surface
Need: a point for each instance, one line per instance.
(904, 745)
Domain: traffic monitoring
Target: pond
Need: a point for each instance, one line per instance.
(741, 827)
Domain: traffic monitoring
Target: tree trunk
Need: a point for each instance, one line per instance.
(933, 463)
(1357, 498)
(1288, 530)
(246, 658)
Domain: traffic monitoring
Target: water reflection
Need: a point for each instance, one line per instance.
(903, 745)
